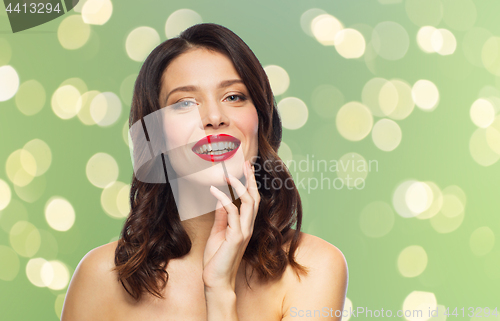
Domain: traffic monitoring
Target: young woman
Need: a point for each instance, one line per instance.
(239, 260)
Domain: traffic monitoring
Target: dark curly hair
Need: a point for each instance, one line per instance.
(152, 233)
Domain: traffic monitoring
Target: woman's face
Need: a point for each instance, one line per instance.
(208, 117)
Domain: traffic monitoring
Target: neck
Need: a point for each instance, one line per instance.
(198, 229)
(196, 207)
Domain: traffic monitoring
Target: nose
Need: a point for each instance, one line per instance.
(212, 115)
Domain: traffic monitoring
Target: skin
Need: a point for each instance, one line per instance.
(209, 283)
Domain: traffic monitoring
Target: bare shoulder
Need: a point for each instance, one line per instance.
(93, 289)
(325, 284)
(315, 252)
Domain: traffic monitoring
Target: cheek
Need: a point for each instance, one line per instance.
(249, 123)
(177, 133)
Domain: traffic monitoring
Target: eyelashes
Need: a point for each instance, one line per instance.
(182, 104)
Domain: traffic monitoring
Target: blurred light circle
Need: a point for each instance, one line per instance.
(388, 97)
(354, 121)
(102, 169)
(482, 241)
(353, 169)
(9, 82)
(30, 97)
(347, 307)
(293, 112)
(181, 20)
(114, 203)
(5, 194)
(437, 202)
(59, 303)
(125, 133)
(493, 135)
(278, 78)
(105, 109)
(418, 197)
(327, 100)
(28, 162)
(350, 43)
(127, 89)
(443, 42)
(73, 32)
(424, 12)
(76, 82)
(306, 19)
(79, 5)
(390, 40)
(325, 27)
(420, 301)
(66, 102)
(457, 191)
(452, 206)
(285, 152)
(84, 113)
(123, 200)
(472, 45)
(482, 113)
(59, 213)
(34, 272)
(444, 224)
(399, 199)
(33, 191)
(405, 103)
(40, 152)
(20, 167)
(55, 274)
(140, 42)
(490, 55)
(376, 219)
(24, 238)
(49, 247)
(97, 12)
(412, 261)
(424, 38)
(425, 94)
(386, 134)
(480, 150)
(460, 14)
(380, 96)
(9, 268)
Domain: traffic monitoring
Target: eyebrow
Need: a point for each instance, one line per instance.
(222, 84)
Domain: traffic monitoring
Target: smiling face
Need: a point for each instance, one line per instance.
(208, 117)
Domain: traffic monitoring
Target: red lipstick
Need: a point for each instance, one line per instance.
(212, 141)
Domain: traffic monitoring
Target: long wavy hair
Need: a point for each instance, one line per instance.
(152, 233)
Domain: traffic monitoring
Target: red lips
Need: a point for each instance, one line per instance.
(216, 139)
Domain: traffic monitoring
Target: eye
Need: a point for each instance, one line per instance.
(183, 104)
(241, 97)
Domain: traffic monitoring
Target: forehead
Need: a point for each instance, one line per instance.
(198, 67)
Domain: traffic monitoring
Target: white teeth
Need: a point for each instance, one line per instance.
(216, 148)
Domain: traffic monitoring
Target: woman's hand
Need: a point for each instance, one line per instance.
(231, 232)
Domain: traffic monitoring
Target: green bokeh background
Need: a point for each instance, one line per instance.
(434, 147)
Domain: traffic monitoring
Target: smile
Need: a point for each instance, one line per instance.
(216, 148)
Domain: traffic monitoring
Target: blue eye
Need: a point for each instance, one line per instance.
(183, 104)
